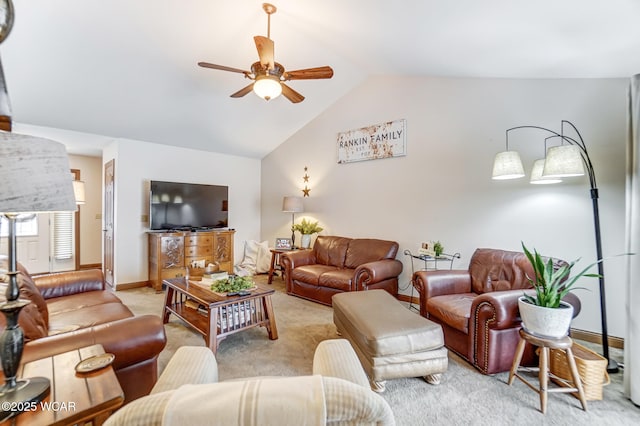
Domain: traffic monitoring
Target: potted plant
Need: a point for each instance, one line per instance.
(544, 313)
(306, 228)
(437, 248)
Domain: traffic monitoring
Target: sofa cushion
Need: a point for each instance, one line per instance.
(367, 250)
(338, 278)
(310, 274)
(85, 310)
(331, 250)
(499, 270)
(452, 309)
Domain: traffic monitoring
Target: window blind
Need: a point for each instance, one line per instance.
(63, 235)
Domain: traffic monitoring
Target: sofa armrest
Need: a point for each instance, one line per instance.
(293, 259)
(439, 283)
(189, 365)
(498, 309)
(375, 272)
(66, 283)
(131, 340)
(336, 358)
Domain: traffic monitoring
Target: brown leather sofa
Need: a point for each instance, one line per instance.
(338, 264)
(478, 307)
(70, 310)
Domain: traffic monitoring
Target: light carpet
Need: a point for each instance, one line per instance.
(465, 397)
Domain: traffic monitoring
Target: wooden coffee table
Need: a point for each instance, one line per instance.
(74, 398)
(219, 315)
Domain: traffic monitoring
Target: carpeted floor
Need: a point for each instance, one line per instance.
(465, 397)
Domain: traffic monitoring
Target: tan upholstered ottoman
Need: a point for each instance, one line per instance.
(390, 340)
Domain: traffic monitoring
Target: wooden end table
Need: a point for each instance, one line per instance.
(275, 262)
(74, 398)
(219, 315)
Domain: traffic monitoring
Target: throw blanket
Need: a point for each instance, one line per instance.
(284, 401)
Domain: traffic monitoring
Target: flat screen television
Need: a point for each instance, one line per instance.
(175, 205)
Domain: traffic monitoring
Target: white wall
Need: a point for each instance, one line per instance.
(136, 163)
(442, 189)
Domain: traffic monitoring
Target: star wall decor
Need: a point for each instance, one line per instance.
(305, 180)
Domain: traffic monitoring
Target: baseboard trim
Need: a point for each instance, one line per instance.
(90, 266)
(409, 299)
(128, 286)
(592, 337)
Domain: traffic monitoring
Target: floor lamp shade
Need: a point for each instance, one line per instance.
(35, 175)
(536, 174)
(292, 205)
(563, 161)
(507, 165)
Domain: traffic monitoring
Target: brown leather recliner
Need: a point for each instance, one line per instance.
(478, 307)
(71, 310)
(338, 264)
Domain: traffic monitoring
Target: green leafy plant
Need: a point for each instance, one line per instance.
(437, 248)
(231, 284)
(550, 283)
(307, 227)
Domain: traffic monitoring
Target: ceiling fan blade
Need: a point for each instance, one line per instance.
(309, 73)
(291, 94)
(222, 68)
(265, 51)
(240, 93)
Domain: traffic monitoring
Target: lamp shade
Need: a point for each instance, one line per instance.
(35, 175)
(563, 161)
(78, 191)
(292, 205)
(267, 87)
(507, 165)
(536, 174)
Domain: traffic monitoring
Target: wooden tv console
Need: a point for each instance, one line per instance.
(171, 252)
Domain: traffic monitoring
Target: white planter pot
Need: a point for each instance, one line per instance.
(306, 241)
(546, 322)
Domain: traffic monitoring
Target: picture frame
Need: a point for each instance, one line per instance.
(284, 244)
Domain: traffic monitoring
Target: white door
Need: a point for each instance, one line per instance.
(32, 243)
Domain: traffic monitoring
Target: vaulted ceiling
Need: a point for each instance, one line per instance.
(128, 69)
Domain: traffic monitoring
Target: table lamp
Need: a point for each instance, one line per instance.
(35, 178)
(292, 205)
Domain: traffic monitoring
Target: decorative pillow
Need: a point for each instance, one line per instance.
(257, 258)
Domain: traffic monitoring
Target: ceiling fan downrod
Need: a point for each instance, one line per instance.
(269, 9)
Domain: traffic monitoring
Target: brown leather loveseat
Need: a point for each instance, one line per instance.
(70, 310)
(338, 264)
(478, 307)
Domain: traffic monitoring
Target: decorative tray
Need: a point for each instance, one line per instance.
(94, 363)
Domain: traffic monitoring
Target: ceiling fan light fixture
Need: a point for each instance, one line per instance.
(267, 87)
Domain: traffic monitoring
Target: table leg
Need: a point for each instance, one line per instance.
(211, 338)
(272, 268)
(271, 324)
(168, 297)
(543, 376)
(516, 360)
(577, 381)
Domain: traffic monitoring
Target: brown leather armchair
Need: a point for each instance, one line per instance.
(337, 264)
(478, 307)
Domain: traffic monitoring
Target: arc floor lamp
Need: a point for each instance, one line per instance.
(568, 159)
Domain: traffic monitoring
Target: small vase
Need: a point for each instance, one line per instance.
(546, 322)
(305, 243)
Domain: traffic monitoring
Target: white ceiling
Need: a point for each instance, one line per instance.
(127, 68)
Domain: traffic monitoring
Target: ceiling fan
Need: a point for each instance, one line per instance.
(269, 76)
